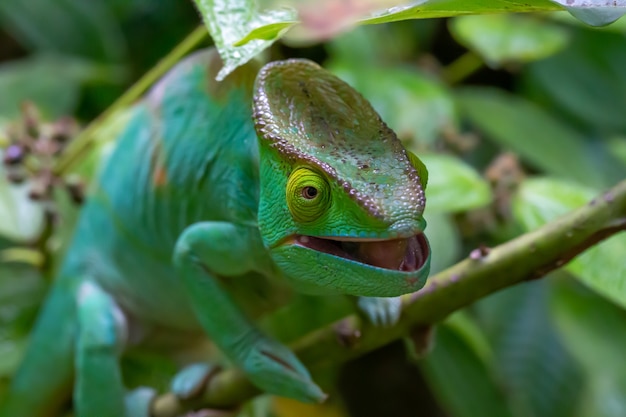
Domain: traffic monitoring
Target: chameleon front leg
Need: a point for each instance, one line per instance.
(209, 251)
(99, 390)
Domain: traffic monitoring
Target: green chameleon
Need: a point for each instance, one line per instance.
(285, 177)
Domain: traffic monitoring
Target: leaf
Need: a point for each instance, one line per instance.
(538, 138)
(380, 44)
(618, 27)
(52, 82)
(601, 267)
(594, 331)
(502, 39)
(240, 30)
(444, 240)
(460, 380)
(531, 362)
(470, 331)
(446, 8)
(617, 147)
(586, 82)
(81, 28)
(453, 185)
(415, 106)
(593, 15)
(230, 22)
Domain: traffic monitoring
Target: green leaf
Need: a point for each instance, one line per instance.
(453, 185)
(473, 335)
(540, 139)
(617, 147)
(444, 239)
(21, 219)
(230, 23)
(536, 371)
(81, 28)
(415, 106)
(587, 82)
(381, 44)
(565, 17)
(460, 380)
(502, 39)
(594, 331)
(602, 267)
(448, 8)
(590, 14)
(52, 82)
(240, 30)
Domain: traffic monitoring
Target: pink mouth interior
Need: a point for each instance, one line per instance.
(408, 254)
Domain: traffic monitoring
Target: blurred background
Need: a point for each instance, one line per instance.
(519, 119)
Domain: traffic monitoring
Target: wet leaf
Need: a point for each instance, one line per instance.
(230, 22)
(446, 8)
(601, 267)
(595, 13)
(240, 30)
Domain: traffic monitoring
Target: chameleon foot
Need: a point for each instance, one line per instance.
(138, 402)
(192, 379)
(275, 369)
(381, 311)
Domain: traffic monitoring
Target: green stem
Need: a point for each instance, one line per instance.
(526, 257)
(84, 140)
(462, 67)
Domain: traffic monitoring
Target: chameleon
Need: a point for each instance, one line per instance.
(281, 176)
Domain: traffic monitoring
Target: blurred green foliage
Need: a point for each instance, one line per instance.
(518, 118)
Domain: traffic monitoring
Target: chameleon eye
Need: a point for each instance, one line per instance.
(308, 194)
(419, 167)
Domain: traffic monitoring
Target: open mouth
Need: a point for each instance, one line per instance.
(407, 254)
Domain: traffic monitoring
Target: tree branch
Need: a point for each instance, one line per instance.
(526, 257)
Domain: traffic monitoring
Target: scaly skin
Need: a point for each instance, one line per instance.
(205, 197)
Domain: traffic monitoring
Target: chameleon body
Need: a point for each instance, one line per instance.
(285, 177)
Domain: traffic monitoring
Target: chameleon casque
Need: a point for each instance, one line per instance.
(283, 175)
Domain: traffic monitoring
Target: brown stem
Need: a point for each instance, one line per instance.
(526, 257)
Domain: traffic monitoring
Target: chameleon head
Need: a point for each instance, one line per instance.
(341, 200)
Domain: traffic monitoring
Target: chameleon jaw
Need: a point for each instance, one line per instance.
(404, 254)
